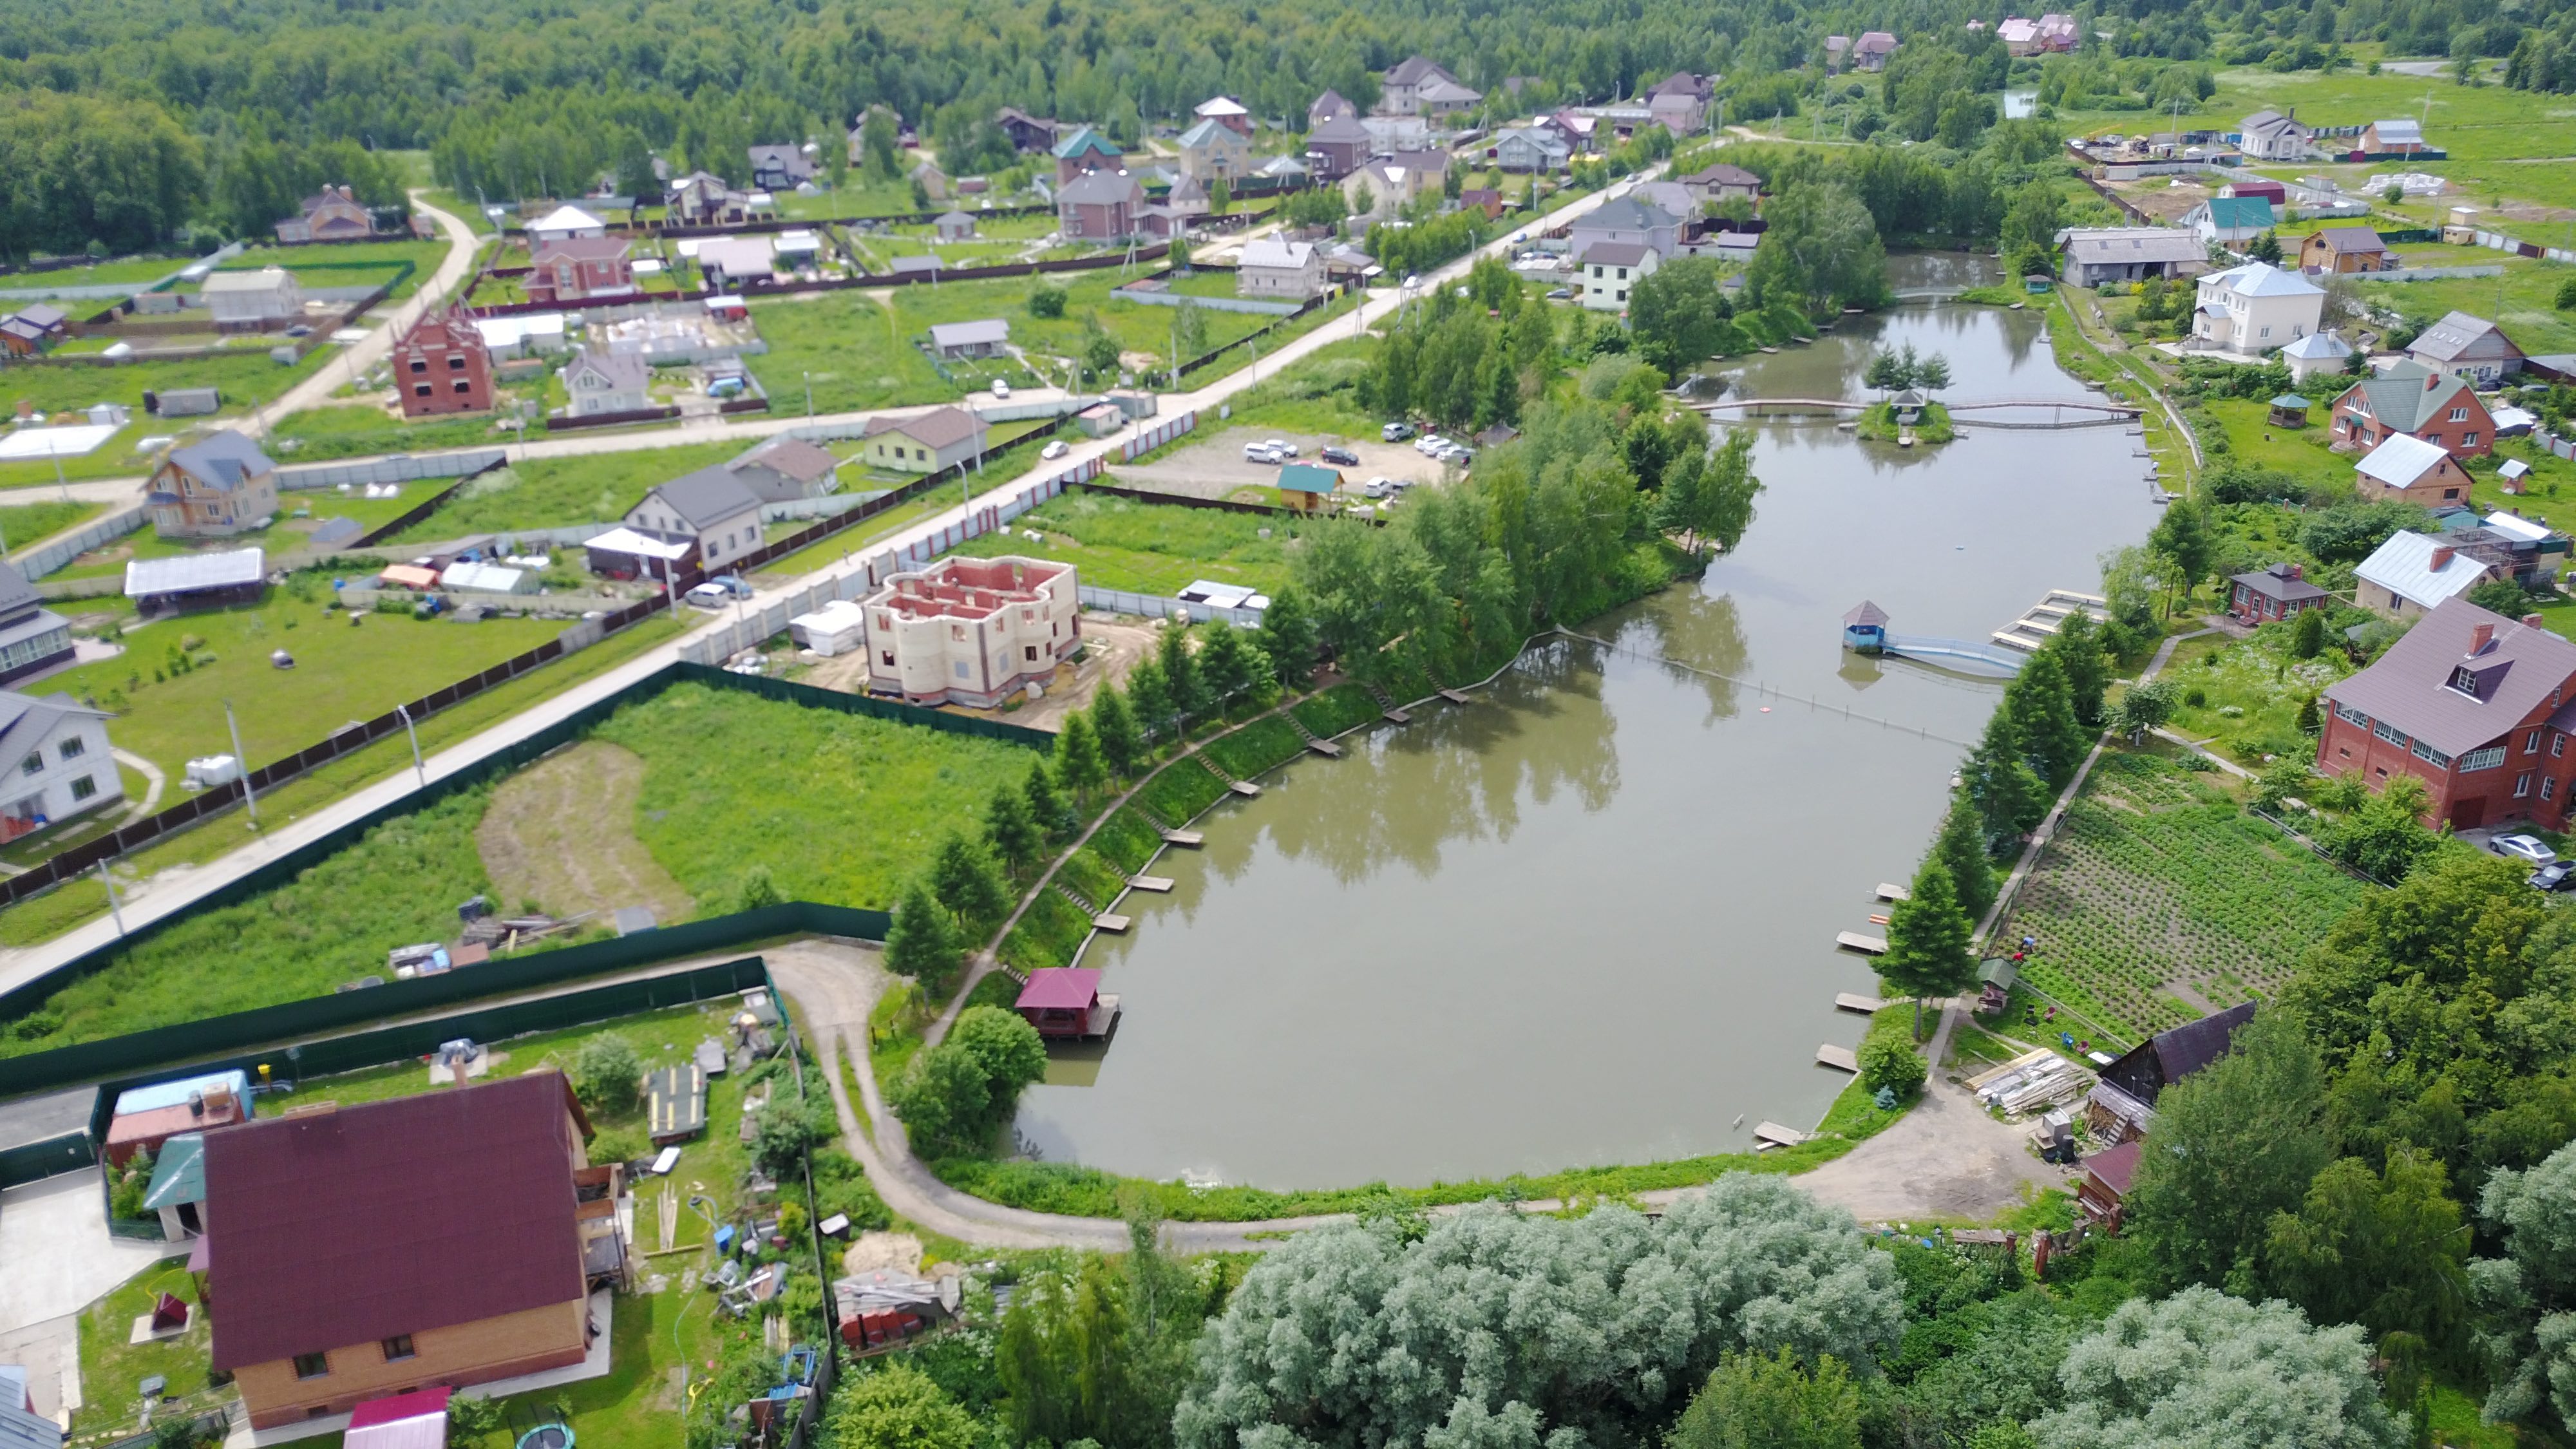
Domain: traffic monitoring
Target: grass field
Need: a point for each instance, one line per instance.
(98, 274)
(2249, 692)
(2529, 292)
(292, 529)
(363, 429)
(245, 381)
(349, 264)
(583, 488)
(112, 1370)
(547, 844)
(841, 808)
(1149, 548)
(23, 524)
(2159, 899)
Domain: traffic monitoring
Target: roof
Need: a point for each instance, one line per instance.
(2456, 335)
(2401, 460)
(2404, 131)
(1308, 478)
(566, 218)
(2409, 686)
(1086, 142)
(704, 498)
(1875, 42)
(641, 545)
(1206, 131)
(968, 334)
(2117, 1167)
(1617, 254)
(939, 428)
(1722, 174)
(187, 571)
(580, 249)
(1221, 106)
(180, 1173)
(223, 461)
(1441, 89)
(2262, 279)
(20, 1427)
(2275, 583)
(353, 1225)
(2409, 394)
(16, 594)
(2346, 241)
(2318, 347)
(787, 158)
(482, 578)
(952, 216)
(792, 457)
(2114, 244)
(1331, 102)
(1060, 988)
(2238, 212)
(2404, 566)
(1340, 129)
(737, 255)
(263, 279)
(2169, 1056)
(1625, 214)
(1100, 188)
(417, 1420)
(624, 370)
(1272, 252)
(1414, 70)
(1865, 615)
(2514, 525)
(2291, 401)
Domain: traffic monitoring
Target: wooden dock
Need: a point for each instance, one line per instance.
(1187, 839)
(1453, 696)
(1866, 945)
(1326, 748)
(1839, 1058)
(1156, 883)
(1245, 788)
(1773, 1134)
(1854, 1001)
(1890, 891)
(1395, 716)
(1111, 922)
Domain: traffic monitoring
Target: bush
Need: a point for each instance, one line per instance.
(618, 1144)
(789, 1126)
(841, 1187)
(1888, 1062)
(606, 1074)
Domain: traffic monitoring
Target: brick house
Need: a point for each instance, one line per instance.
(333, 215)
(412, 1243)
(2279, 592)
(2475, 705)
(2343, 249)
(1338, 146)
(1099, 206)
(2411, 470)
(1228, 112)
(440, 366)
(1085, 151)
(222, 486)
(577, 268)
(971, 631)
(2414, 400)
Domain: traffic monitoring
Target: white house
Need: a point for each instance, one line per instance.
(252, 299)
(1625, 220)
(2252, 309)
(939, 439)
(564, 223)
(1531, 148)
(1610, 269)
(607, 382)
(711, 508)
(58, 764)
(971, 631)
(2315, 355)
(2271, 135)
(1273, 268)
(2412, 572)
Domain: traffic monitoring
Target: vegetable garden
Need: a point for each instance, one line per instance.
(2158, 889)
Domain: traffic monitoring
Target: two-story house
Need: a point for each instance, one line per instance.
(607, 382)
(252, 301)
(1400, 89)
(334, 214)
(1226, 111)
(2252, 309)
(440, 366)
(2344, 249)
(2411, 399)
(1099, 206)
(1611, 269)
(34, 640)
(712, 509)
(1625, 220)
(1213, 150)
(1529, 149)
(2467, 347)
(1338, 146)
(1027, 133)
(2269, 135)
(1679, 102)
(565, 270)
(1279, 270)
(1330, 106)
(2477, 706)
(1085, 151)
(971, 631)
(55, 761)
(212, 489)
(780, 167)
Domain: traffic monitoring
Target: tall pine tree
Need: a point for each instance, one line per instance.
(1114, 726)
(922, 943)
(1077, 756)
(2042, 706)
(1928, 940)
(1961, 846)
(2078, 646)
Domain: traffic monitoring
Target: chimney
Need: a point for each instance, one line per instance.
(2441, 559)
(2298, 572)
(2531, 621)
(2480, 638)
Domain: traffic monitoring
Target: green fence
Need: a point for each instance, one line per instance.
(34, 993)
(29, 1161)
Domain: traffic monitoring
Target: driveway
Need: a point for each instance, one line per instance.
(53, 1237)
(1216, 467)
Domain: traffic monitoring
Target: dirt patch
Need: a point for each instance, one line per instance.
(1215, 467)
(562, 834)
(871, 1251)
(1110, 650)
(2163, 198)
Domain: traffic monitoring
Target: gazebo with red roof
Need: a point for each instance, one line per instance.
(1065, 1003)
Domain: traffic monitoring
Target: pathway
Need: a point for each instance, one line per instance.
(154, 782)
(361, 355)
(172, 894)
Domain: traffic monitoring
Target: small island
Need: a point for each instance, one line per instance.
(1906, 419)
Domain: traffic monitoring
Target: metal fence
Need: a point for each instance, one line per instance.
(1148, 439)
(1155, 606)
(35, 563)
(400, 468)
(1132, 293)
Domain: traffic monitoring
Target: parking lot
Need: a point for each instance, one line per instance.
(1215, 467)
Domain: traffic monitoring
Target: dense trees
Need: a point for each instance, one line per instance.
(956, 1095)
(81, 169)
(1822, 252)
(1929, 940)
(1100, 1353)
(2204, 1369)
(2531, 1291)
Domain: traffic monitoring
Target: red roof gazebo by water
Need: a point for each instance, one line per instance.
(1065, 1002)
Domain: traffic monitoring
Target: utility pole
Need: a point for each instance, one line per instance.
(249, 797)
(114, 911)
(417, 767)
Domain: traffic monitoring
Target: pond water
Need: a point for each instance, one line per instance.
(2018, 104)
(1589, 918)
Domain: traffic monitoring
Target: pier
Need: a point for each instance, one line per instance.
(1159, 884)
(1866, 945)
(1854, 1001)
(1112, 922)
(1840, 1058)
(1186, 839)
(2040, 622)
(1772, 1134)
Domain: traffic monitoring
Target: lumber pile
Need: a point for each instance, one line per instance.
(2031, 1082)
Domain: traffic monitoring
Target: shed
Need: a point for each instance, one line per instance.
(2511, 475)
(836, 628)
(1996, 977)
(983, 337)
(183, 402)
(1865, 627)
(408, 576)
(196, 580)
(676, 1103)
(1100, 419)
(146, 1117)
(2289, 410)
(178, 1186)
(2107, 1176)
(625, 553)
(1307, 485)
(485, 578)
(416, 1420)
(1064, 1003)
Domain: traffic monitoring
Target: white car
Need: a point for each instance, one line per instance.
(1259, 453)
(1056, 449)
(1377, 487)
(1282, 447)
(2522, 847)
(1430, 444)
(1001, 389)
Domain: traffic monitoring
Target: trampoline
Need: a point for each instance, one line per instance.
(547, 1436)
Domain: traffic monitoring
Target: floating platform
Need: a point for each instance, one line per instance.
(1325, 747)
(1244, 788)
(1854, 1001)
(1111, 922)
(1454, 696)
(1395, 716)
(2041, 621)
(1855, 941)
(1890, 891)
(1840, 1058)
(1187, 839)
(1773, 1134)
(1155, 883)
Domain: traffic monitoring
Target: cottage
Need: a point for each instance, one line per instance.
(2477, 706)
(2315, 355)
(32, 329)
(2467, 347)
(604, 383)
(1722, 182)
(1679, 103)
(1481, 199)
(711, 509)
(1226, 111)
(570, 269)
(2414, 573)
(335, 214)
(1086, 150)
(704, 199)
(60, 764)
(2230, 221)
(954, 226)
(252, 301)
(971, 631)
(1627, 220)
(1308, 486)
(2251, 309)
(2383, 140)
(943, 438)
(1337, 147)
(2123, 1102)
(780, 167)
(2411, 470)
(1213, 150)
(730, 261)
(1400, 89)
(1099, 206)
(34, 640)
(1330, 107)
(566, 223)
(2269, 135)
(1064, 1003)
(440, 367)
(1028, 133)
(349, 1258)
(2095, 255)
(934, 182)
(1442, 98)
(195, 581)
(783, 469)
(1528, 149)
(2413, 399)
(2281, 591)
(1270, 267)
(1611, 269)
(2264, 187)
(1384, 184)
(2108, 1176)
(222, 486)
(1871, 51)
(144, 1118)
(2343, 249)
(985, 337)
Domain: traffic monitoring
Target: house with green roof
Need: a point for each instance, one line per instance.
(2231, 221)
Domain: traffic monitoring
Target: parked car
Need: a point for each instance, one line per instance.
(1395, 432)
(1340, 457)
(1400, 484)
(1282, 447)
(709, 595)
(1430, 444)
(2522, 847)
(1259, 453)
(2558, 875)
(1001, 389)
(1377, 488)
(1055, 449)
(1560, 294)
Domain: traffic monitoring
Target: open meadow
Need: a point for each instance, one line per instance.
(1146, 548)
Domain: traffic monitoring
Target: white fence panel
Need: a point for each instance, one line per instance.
(38, 562)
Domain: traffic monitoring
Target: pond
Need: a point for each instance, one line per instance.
(1590, 917)
(2019, 104)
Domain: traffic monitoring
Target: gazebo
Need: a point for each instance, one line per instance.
(1064, 1004)
(2289, 410)
(1865, 628)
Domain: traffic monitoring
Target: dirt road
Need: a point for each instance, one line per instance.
(1217, 467)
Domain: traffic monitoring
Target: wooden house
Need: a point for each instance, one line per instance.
(2105, 1188)
(2124, 1100)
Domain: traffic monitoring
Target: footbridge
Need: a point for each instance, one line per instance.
(1934, 650)
(1980, 411)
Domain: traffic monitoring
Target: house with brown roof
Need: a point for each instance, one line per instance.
(2475, 705)
(2279, 592)
(2412, 399)
(1400, 89)
(941, 438)
(1720, 182)
(440, 366)
(782, 469)
(2467, 347)
(335, 214)
(1330, 106)
(1083, 151)
(1871, 50)
(1337, 147)
(2108, 1176)
(1099, 206)
(1679, 102)
(424, 1241)
(2343, 249)
(576, 268)
(1028, 133)
(2123, 1101)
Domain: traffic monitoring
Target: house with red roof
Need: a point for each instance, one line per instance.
(2477, 706)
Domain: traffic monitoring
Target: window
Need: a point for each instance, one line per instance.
(312, 1365)
(2351, 716)
(420, 364)
(2391, 733)
(2432, 756)
(2434, 438)
(465, 384)
(456, 362)
(2557, 744)
(886, 658)
(2469, 439)
(84, 787)
(71, 748)
(2522, 785)
(2548, 787)
(2459, 415)
(2531, 743)
(2465, 680)
(2486, 759)
(398, 1348)
(421, 390)
(1031, 652)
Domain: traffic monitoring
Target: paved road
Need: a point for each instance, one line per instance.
(175, 891)
(361, 355)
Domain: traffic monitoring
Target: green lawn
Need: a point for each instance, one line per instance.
(1149, 548)
(2529, 314)
(291, 530)
(2300, 452)
(2260, 681)
(245, 380)
(841, 808)
(97, 274)
(113, 1370)
(349, 264)
(583, 488)
(364, 429)
(25, 524)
